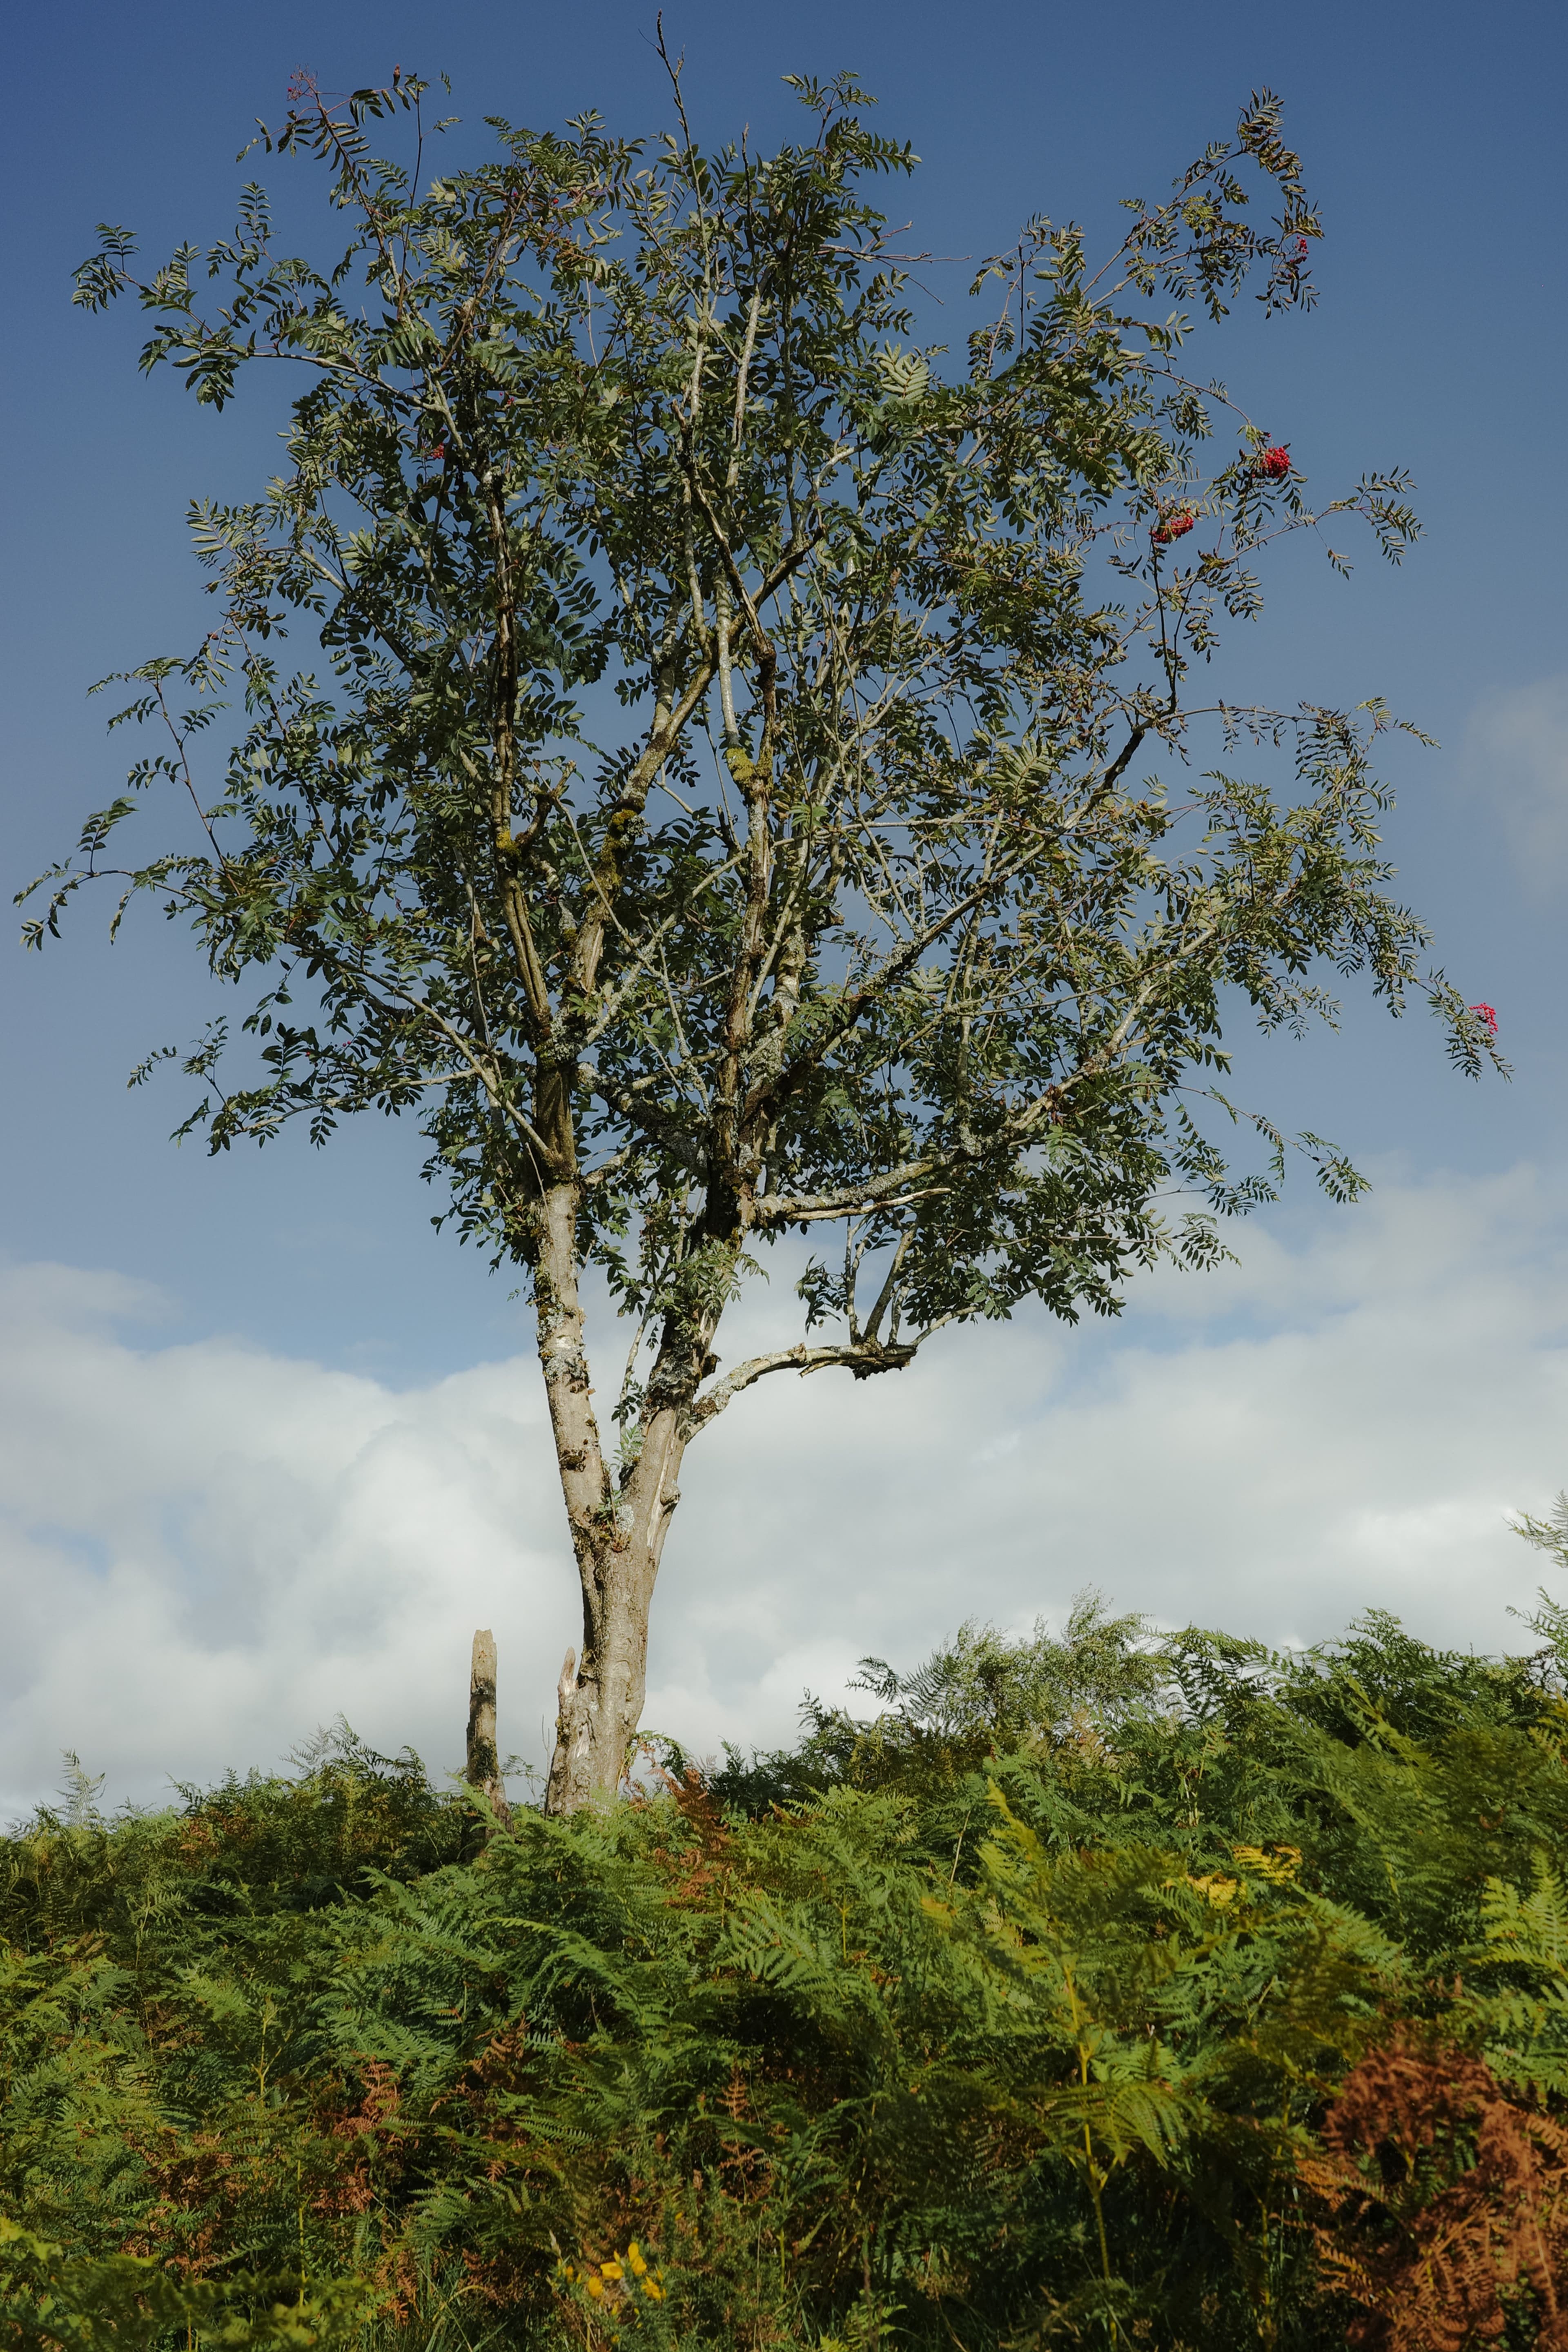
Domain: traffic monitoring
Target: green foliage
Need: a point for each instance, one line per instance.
(1011, 2014)
(721, 804)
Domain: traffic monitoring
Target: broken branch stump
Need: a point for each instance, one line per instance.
(483, 1767)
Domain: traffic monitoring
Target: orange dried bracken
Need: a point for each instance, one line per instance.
(1447, 2204)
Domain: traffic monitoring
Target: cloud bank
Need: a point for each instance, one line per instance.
(206, 1551)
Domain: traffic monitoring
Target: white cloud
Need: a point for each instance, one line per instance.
(1339, 1422)
(1517, 747)
(206, 1551)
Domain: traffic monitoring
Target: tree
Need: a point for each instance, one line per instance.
(718, 825)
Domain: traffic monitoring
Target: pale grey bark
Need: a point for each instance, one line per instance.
(618, 1526)
(483, 1763)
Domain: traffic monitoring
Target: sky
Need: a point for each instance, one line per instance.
(271, 1448)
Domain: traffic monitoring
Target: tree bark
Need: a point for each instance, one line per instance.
(483, 1766)
(617, 1522)
(601, 1692)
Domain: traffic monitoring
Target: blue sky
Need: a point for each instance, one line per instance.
(1431, 140)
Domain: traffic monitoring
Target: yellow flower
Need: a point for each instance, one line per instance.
(634, 2257)
(651, 2286)
(611, 2270)
(596, 2288)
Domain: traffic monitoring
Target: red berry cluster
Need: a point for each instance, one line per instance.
(1173, 526)
(1273, 464)
(1487, 1013)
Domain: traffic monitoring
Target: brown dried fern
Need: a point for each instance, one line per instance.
(1447, 2204)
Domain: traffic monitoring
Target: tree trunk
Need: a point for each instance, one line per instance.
(483, 1768)
(619, 1522)
(617, 1530)
(601, 1694)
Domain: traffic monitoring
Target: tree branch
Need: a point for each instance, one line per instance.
(863, 1357)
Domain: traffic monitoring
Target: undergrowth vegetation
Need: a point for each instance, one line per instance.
(1094, 1989)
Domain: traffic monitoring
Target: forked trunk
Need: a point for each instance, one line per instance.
(601, 1692)
(618, 1526)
